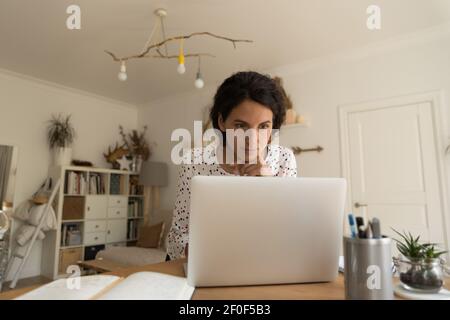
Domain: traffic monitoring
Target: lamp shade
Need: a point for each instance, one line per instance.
(153, 174)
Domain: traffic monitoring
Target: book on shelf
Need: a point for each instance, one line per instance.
(75, 183)
(135, 208)
(135, 187)
(117, 184)
(132, 229)
(96, 183)
(71, 234)
(138, 286)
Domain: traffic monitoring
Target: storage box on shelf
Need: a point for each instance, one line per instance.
(92, 207)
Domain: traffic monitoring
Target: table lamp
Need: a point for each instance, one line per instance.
(153, 175)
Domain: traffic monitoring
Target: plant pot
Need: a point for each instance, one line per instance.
(62, 156)
(424, 275)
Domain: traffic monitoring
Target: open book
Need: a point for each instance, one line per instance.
(138, 286)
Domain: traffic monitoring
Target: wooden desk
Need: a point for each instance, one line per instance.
(101, 265)
(333, 290)
(320, 291)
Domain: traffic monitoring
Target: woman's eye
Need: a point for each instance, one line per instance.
(264, 126)
(239, 126)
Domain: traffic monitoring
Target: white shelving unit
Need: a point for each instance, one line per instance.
(102, 218)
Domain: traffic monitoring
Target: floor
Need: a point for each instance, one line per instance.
(26, 282)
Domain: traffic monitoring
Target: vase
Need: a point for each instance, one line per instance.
(136, 165)
(422, 275)
(62, 156)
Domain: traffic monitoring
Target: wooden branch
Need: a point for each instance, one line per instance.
(298, 150)
(159, 44)
(190, 55)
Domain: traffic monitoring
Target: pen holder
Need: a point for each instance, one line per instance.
(368, 269)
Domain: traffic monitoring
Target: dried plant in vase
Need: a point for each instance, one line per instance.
(138, 146)
(61, 135)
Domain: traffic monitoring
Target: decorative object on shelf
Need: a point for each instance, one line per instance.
(60, 135)
(82, 163)
(117, 153)
(43, 193)
(156, 47)
(135, 187)
(420, 266)
(298, 150)
(138, 147)
(291, 115)
(124, 163)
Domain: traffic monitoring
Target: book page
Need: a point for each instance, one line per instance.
(67, 289)
(150, 286)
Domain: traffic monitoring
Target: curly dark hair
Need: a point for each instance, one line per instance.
(253, 86)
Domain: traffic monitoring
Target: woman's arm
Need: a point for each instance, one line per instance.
(178, 236)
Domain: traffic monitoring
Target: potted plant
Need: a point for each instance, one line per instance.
(420, 266)
(138, 147)
(60, 135)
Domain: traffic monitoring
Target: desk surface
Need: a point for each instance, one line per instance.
(321, 291)
(101, 265)
(332, 290)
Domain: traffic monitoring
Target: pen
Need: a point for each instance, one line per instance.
(369, 234)
(376, 228)
(359, 224)
(362, 232)
(351, 221)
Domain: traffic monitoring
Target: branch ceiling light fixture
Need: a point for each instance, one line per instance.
(155, 50)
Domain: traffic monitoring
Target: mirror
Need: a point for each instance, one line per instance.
(8, 170)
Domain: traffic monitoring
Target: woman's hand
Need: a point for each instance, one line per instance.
(257, 169)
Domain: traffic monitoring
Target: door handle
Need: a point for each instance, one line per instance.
(358, 205)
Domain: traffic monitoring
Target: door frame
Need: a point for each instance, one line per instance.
(436, 99)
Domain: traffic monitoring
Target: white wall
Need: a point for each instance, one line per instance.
(410, 64)
(25, 106)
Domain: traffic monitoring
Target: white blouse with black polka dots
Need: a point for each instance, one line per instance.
(280, 159)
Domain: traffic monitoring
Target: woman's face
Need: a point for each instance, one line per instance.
(248, 115)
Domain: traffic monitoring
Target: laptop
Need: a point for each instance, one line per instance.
(264, 230)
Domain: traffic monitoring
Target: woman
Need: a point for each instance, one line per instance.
(246, 100)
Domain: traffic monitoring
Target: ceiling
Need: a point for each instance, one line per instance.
(34, 39)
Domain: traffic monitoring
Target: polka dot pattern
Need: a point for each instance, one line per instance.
(280, 159)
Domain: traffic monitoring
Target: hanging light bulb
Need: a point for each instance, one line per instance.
(181, 68)
(199, 83)
(123, 72)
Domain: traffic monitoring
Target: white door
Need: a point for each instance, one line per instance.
(392, 168)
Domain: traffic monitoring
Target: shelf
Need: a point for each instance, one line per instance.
(135, 218)
(71, 221)
(136, 195)
(71, 247)
(74, 195)
(98, 170)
